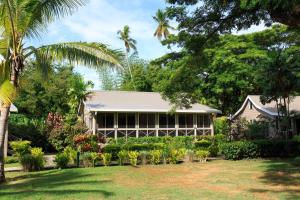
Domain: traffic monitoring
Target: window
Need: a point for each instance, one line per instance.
(121, 120)
(146, 120)
(203, 121)
(143, 120)
(131, 120)
(250, 105)
(166, 121)
(105, 120)
(126, 120)
(185, 121)
(109, 120)
(151, 120)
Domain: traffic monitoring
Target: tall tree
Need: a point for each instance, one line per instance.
(207, 19)
(28, 19)
(223, 73)
(129, 43)
(163, 27)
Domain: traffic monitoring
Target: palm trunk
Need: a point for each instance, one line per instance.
(4, 109)
(3, 124)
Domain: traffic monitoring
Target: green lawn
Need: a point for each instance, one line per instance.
(12, 165)
(247, 179)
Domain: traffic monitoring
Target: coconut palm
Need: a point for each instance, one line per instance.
(129, 43)
(163, 27)
(23, 20)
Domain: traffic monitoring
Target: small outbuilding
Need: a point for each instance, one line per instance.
(253, 110)
(139, 114)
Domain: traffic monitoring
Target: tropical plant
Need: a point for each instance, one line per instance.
(155, 156)
(28, 19)
(163, 27)
(202, 155)
(33, 161)
(133, 157)
(123, 156)
(106, 158)
(129, 43)
(20, 147)
(62, 160)
(71, 153)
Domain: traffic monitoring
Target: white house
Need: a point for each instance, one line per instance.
(139, 114)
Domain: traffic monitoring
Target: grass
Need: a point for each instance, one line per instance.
(12, 165)
(246, 179)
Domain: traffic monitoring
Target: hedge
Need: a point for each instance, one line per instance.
(114, 149)
(260, 148)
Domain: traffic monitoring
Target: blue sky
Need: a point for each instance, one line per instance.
(100, 20)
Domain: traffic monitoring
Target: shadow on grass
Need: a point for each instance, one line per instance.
(56, 183)
(282, 177)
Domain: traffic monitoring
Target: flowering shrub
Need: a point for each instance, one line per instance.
(86, 143)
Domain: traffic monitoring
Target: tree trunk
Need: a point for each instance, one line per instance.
(3, 122)
(4, 109)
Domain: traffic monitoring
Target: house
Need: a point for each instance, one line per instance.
(13, 108)
(253, 110)
(138, 114)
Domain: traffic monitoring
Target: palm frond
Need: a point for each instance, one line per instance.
(93, 55)
(7, 92)
(42, 58)
(41, 12)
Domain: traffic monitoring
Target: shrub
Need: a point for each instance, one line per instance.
(27, 161)
(220, 138)
(86, 143)
(176, 155)
(94, 157)
(257, 130)
(213, 149)
(204, 137)
(190, 154)
(106, 158)
(87, 159)
(133, 157)
(11, 159)
(38, 156)
(144, 157)
(240, 150)
(113, 149)
(71, 153)
(278, 148)
(123, 156)
(155, 156)
(201, 155)
(221, 126)
(21, 147)
(142, 147)
(62, 160)
(202, 144)
(62, 134)
(296, 138)
(297, 161)
(33, 161)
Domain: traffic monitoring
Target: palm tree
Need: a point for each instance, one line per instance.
(28, 19)
(129, 43)
(163, 27)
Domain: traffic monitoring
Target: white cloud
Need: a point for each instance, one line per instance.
(101, 20)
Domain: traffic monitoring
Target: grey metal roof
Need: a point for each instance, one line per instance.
(123, 101)
(269, 108)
